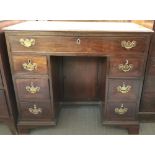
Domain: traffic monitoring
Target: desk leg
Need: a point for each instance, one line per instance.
(132, 129)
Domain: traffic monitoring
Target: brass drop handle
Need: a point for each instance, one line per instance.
(35, 110)
(128, 44)
(29, 66)
(124, 89)
(121, 111)
(27, 42)
(125, 67)
(32, 89)
(78, 41)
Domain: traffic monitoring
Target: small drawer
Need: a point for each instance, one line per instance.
(35, 111)
(120, 111)
(3, 105)
(29, 64)
(127, 44)
(126, 66)
(33, 89)
(123, 90)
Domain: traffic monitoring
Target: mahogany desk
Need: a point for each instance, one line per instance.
(54, 63)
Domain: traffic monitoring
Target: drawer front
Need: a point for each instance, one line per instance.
(3, 105)
(35, 111)
(77, 44)
(30, 64)
(121, 111)
(32, 89)
(126, 66)
(123, 90)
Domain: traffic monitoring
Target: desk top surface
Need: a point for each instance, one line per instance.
(78, 26)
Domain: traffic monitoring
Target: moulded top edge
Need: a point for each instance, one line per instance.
(77, 26)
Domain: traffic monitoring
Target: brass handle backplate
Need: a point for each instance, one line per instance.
(35, 110)
(27, 42)
(125, 67)
(29, 66)
(128, 44)
(121, 111)
(32, 89)
(124, 89)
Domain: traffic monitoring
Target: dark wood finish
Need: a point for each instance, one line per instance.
(40, 61)
(8, 109)
(1, 84)
(148, 97)
(79, 70)
(66, 85)
(3, 105)
(147, 105)
(87, 44)
(115, 96)
(45, 114)
(137, 62)
(128, 116)
(80, 78)
(24, 95)
(133, 130)
(56, 84)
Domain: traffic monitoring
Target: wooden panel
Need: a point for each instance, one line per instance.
(148, 95)
(57, 82)
(0, 80)
(38, 111)
(3, 105)
(71, 44)
(80, 78)
(134, 66)
(131, 96)
(147, 104)
(151, 69)
(24, 95)
(113, 116)
(39, 63)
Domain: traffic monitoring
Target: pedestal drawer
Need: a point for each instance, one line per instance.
(35, 89)
(77, 44)
(126, 90)
(3, 105)
(121, 111)
(126, 66)
(29, 64)
(35, 111)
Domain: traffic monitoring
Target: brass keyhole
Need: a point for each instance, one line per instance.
(78, 41)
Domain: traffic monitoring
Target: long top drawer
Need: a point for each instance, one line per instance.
(107, 45)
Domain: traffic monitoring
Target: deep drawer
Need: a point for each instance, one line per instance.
(29, 64)
(107, 45)
(34, 89)
(3, 105)
(35, 111)
(121, 111)
(126, 66)
(123, 90)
